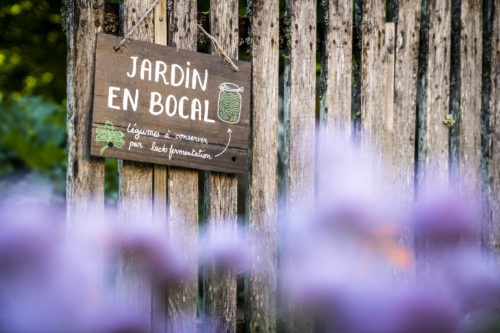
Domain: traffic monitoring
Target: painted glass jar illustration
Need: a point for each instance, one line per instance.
(229, 102)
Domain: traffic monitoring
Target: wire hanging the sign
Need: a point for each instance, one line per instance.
(214, 41)
(219, 49)
(127, 35)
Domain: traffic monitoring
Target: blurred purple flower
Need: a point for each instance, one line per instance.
(149, 249)
(224, 248)
(423, 311)
(26, 249)
(447, 221)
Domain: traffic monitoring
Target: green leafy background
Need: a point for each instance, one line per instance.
(32, 95)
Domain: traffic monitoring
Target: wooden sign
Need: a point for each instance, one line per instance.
(163, 105)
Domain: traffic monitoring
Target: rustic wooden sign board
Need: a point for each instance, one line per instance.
(163, 105)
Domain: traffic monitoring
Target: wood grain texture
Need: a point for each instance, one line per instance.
(183, 231)
(471, 47)
(377, 54)
(405, 97)
(336, 68)
(183, 190)
(493, 170)
(221, 192)
(85, 174)
(160, 171)
(405, 106)
(219, 290)
(436, 161)
(261, 285)
(388, 103)
(159, 306)
(300, 123)
(299, 100)
(217, 145)
(135, 186)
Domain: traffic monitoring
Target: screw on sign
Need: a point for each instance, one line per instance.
(230, 102)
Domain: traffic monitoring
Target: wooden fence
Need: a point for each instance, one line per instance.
(418, 82)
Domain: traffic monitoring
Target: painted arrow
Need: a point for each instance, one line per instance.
(222, 152)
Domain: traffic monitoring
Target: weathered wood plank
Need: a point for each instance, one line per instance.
(405, 106)
(299, 101)
(376, 115)
(336, 68)
(182, 189)
(469, 150)
(219, 289)
(159, 181)
(85, 175)
(470, 98)
(135, 185)
(160, 171)
(388, 102)
(261, 286)
(221, 192)
(300, 122)
(435, 171)
(493, 171)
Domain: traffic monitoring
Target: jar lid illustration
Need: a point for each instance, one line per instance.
(230, 87)
(229, 108)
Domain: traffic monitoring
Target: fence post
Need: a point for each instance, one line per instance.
(221, 192)
(336, 68)
(435, 171)
(159, 308)
(182, 190)
(261, 285)
(405, 106)
(493, 166)
(135, 186)
(300, 123)
(85, 174)
(376, 114)
(469, 123)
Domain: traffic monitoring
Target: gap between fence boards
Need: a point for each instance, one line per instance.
(112, 26)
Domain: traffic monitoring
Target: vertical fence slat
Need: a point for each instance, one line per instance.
(336, 67)
(300, 120)
(159, 180)
(135, 187)
(405, 107)
(221, 191)
(261, 285)
(300, 100)
(469, 149)
(470, 98)
(160, 171)
(85, 175)
(182, 191)
(405, 102)
(494, 143)
(387, 113)
(436, 166)
(376, 113)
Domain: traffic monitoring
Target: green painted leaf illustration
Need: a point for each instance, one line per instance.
(108, 134)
